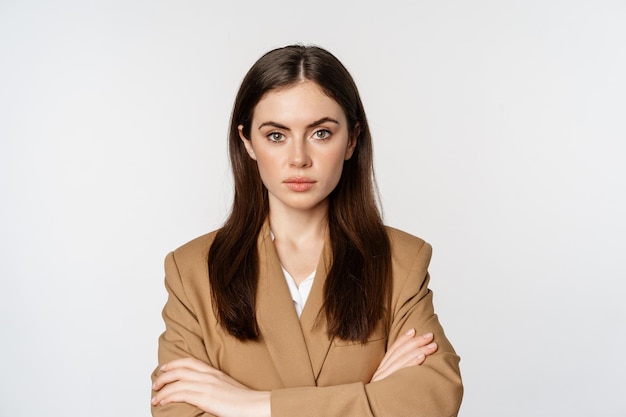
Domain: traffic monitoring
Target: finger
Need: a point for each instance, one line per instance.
(384, 373)
(424, 339)
(166, 378)
(401, 341)
(387, 365)
(410, 334)
(212, 393)
(182, 374)
(397, 344)
(411, 347)
(410, 353)
(415, 358)
(402, 346)
(427, 338)
(178, 391)
(412, 357)
(192, 364)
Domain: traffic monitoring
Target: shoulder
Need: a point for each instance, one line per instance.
(405, 242)
(199, 244)
(195, 252)
(408, 251)
(186, 272)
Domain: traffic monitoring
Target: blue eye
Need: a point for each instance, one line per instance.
(276, 137)
(322, 134)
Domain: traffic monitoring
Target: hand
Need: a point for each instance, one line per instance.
(192, 381)
(407, 350)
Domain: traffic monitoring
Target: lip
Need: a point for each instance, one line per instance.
(299, 183)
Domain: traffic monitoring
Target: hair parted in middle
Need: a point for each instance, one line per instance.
(356, 293)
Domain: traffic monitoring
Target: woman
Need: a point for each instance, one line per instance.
(303, 303)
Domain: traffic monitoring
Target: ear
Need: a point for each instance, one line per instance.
(352, 141)
(246, 142)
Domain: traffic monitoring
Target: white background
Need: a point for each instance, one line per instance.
(499, 131)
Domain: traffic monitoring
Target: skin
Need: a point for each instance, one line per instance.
(297, 134)
(407, 350)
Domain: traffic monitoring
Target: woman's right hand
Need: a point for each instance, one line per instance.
(407, 350)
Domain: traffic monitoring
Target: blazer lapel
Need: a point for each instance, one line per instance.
(277, 318)
(313, 319)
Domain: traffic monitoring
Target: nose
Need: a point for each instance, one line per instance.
(299, 157)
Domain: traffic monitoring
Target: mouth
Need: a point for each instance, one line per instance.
(299, 183)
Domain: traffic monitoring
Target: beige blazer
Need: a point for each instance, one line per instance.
(308, 373)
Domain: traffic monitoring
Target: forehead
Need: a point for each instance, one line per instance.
(299, 103)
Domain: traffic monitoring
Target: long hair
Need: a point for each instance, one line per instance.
(356, 293)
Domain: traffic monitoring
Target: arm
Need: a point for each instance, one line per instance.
(395, 390)
(407, 350)
(182, 338)
(432, 389)
(192, 381)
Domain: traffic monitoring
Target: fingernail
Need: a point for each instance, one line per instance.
(432, 346)
(411, 332)
(427, 336)
(152, 400)
(420, 356)
(163, 367)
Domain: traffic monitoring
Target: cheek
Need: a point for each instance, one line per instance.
(338, 156)
(267, 165)
(335, 165)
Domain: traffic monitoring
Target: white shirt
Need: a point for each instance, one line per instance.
(299, 294)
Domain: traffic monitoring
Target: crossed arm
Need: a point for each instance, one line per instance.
(194, 382)
(414, 377)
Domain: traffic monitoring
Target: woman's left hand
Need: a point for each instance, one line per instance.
(407, 350)
(192, 381)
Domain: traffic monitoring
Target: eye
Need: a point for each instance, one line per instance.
(321, 134)
(276, 137)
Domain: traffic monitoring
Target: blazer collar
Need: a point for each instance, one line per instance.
(298, 347)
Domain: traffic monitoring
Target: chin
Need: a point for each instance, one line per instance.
(304, 204)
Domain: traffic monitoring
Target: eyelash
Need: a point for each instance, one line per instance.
(326, 134)
(272, 136)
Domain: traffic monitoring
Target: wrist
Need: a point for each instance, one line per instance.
(262, 404)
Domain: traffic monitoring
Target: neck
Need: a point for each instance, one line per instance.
(289, 225)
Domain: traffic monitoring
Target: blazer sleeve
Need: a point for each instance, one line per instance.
(182, 338)
(428, 390)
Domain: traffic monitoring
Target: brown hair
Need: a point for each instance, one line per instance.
(356, 292)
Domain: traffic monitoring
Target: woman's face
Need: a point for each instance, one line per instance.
(300, 139)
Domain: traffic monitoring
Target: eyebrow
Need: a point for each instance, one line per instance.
(315, 123)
